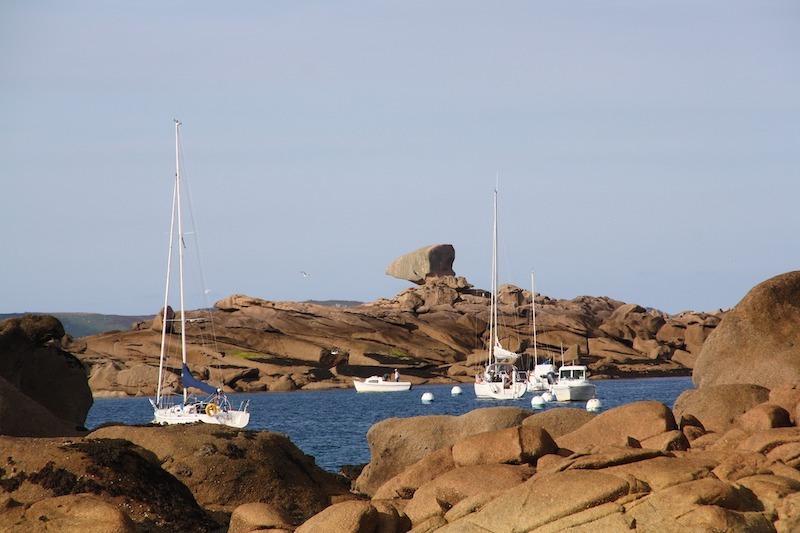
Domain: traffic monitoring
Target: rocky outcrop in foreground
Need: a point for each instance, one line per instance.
(435, 332)
(176, 478)
(43, 389)
(634, 467)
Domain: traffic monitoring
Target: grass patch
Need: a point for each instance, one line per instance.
(400, 354)
(246, 355)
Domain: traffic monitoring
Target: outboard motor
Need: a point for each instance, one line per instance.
(551, 378)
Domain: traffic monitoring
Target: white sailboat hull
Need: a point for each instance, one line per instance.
(574, 392)
(185, 415)
(494, 390)
(381, 386)
(538, 385)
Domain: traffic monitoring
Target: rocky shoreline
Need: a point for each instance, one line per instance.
(433, 333)
(726, 457)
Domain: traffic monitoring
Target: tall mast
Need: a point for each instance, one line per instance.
(533, 312)
(493, 309)
(166, 294)
(180, 245)
(496, 274)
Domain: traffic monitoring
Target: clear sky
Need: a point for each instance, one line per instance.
(649, 151)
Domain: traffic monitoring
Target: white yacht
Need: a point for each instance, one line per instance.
(573, 384)
(500, 380)
(215, 408)
(378, 384)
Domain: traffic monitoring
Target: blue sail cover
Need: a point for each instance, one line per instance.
(189, 380)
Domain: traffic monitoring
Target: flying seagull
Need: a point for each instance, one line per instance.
(305, 274)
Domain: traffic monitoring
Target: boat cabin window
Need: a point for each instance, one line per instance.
(572, 374)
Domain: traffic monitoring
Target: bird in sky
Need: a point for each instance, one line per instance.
(305, 274)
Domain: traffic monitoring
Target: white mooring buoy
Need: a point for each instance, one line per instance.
(427, 397)
(537, 402)
(455, 391)
(593, 405)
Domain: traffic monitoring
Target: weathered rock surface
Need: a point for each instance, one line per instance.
(225, 468)
(718, 407)
(429, 261)
(396, 443)
(257, 516)
(516, 445)
(434, 332)
(757, 342)
(638, 420)
(748, 481)
(43, 389)
(73, 513)
(347, 517)
(44, 482)
(558, 422)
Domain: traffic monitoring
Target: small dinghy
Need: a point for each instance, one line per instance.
(378, 384)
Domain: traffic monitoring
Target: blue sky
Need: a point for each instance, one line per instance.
(648, 150)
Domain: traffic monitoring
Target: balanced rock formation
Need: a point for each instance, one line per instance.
(433, 332)
(419, 265)
(758, 341)
(43, 389)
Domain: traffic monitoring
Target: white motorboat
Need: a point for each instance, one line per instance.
(378, 384)
(501, 380)
(215, 408)
(573, 384)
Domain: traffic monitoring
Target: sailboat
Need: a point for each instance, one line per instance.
(543, 374)
(215, 408)
(500, 379)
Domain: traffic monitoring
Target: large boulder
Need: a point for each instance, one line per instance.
(404, 484)
(638, 420)
(559, 421)
(516, 445)
(257, 516)
(429, 261)
(718, 407)
(438, 495)
(225, 468)
(542, 500)
(396, 443)
(757, 341)
(72, 513)
(346, 517)
(50, 383)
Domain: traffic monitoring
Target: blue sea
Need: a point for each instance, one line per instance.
(332, 425)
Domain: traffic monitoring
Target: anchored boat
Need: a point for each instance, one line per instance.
(573, 384)
(378, 384)
(501, 380)
(215, 408)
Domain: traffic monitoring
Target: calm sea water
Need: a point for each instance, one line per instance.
(331, 425)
